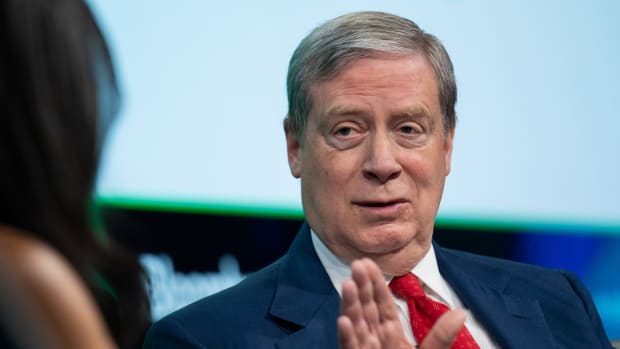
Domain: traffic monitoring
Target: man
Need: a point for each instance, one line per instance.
(369, 132)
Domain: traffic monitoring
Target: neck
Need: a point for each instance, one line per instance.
(400, 262)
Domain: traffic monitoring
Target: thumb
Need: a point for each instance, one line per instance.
(445, 330)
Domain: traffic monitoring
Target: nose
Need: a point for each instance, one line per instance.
(381, 163)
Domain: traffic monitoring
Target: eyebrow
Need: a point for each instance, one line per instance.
(413, 112)
(418, 112)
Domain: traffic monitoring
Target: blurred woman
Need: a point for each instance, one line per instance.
(63, 284)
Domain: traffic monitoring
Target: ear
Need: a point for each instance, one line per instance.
(448, 150)
(293, 149)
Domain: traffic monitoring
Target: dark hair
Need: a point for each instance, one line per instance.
(58, 93)
(335, 44)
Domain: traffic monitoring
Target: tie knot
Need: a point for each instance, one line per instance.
(424, 312)
(407, 286)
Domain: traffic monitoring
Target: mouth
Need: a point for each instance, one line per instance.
(382, 209)
(379, 203)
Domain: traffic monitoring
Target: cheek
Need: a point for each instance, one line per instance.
(421, 171)
(426, 176)
(317, 179)
(332, 170)
(437, 163)
(328, 184)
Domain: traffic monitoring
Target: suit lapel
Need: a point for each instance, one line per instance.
(513, 321)
(306, 297)
(320, 330)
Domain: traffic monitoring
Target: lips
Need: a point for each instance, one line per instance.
(382, 209)
(379, 203)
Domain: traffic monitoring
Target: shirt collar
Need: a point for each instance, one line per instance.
(432, 282)
(337, 270)
(426, 270)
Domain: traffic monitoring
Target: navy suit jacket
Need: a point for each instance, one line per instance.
(292, 304)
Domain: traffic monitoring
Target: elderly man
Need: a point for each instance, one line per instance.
(369, 132)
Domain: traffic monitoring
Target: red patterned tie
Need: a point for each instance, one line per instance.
(423, 311)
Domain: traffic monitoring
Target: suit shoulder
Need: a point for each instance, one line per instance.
(495, 263)
(226, 319)
(561, 297)
(526, 276)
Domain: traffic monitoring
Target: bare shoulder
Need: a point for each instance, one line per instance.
(44, 298)
(34, 267)
(28, 261)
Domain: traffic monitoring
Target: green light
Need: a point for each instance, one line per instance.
(494, 223)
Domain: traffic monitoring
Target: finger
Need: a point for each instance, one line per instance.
(387, 310)
(351, 307)
(346, 334)
(445, 330)
(390, 331)
(361, 277)
(349, 337)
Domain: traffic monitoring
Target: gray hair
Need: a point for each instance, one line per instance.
(330, 47)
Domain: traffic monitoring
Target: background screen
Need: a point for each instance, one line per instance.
(535, 166)
(204, 94)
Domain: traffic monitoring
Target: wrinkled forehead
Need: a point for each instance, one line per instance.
(368, 65)
(336, 69)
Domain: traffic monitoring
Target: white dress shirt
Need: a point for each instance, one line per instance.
(432, 282)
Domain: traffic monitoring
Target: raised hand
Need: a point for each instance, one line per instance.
(369, 317)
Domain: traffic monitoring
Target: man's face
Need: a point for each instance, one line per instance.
(374, 160)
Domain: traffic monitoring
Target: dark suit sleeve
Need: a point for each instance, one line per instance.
(167, 333)
(590, 308)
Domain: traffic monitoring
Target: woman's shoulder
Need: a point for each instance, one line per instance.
(43, 294)
(23, 254)
(29, 262)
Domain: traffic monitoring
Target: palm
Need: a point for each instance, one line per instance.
(369, 318)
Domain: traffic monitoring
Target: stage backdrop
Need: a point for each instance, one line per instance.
(203, 86)
(204, 97)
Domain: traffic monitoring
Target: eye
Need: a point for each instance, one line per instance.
(407, 129)
(411, 134)
(347, 130)
(346, 135)
(344, 131)
(410, 129)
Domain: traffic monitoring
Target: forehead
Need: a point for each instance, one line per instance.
(402, 81)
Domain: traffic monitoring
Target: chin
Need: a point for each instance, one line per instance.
(386, 239)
